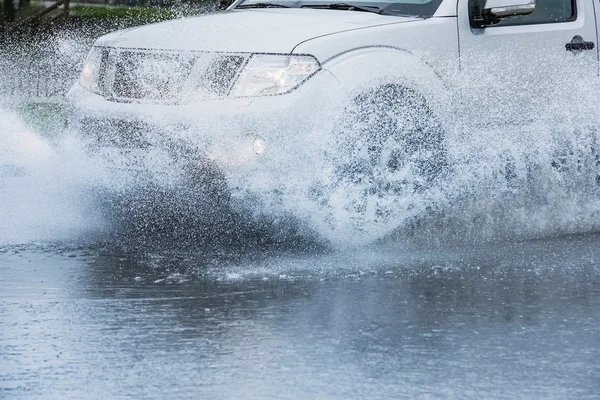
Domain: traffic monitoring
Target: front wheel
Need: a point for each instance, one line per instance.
(387, 154)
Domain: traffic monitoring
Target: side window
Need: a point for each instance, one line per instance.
(546, 12)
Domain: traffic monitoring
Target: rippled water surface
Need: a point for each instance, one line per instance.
(510, 321)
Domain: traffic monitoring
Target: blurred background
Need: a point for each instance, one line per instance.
(19, 15)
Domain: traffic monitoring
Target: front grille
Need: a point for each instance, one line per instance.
(150, 76)
(168, 77)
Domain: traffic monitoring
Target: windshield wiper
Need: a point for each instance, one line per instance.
(344, 6)
(262, 5)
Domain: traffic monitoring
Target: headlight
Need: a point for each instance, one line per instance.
(274, 74)
(90, 76)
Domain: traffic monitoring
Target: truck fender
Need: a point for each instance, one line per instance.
(365, 69)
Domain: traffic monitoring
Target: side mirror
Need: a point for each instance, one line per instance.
(496, 10)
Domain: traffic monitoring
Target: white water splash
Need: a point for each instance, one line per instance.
(42, 186)
(504, 182)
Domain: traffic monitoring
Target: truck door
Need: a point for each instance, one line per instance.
(529, 66)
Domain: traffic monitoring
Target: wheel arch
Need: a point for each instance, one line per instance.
(365, 69)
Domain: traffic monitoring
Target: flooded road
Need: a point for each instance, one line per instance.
(462, 302)
(513, 320)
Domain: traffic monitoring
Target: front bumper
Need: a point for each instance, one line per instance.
(293, 127)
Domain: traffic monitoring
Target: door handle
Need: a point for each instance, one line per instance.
(578, 44)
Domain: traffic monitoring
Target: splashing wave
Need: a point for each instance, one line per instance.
(538, 181)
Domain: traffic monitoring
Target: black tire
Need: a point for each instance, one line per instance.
(388, 151)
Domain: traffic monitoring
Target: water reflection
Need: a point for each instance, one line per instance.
(515, 320)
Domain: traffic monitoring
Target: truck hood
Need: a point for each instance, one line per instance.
(253, 30)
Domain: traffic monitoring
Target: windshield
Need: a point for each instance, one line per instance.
(420, 8)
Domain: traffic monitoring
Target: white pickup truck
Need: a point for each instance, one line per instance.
(355, 105)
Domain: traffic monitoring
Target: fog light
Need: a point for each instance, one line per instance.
(258, 146)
